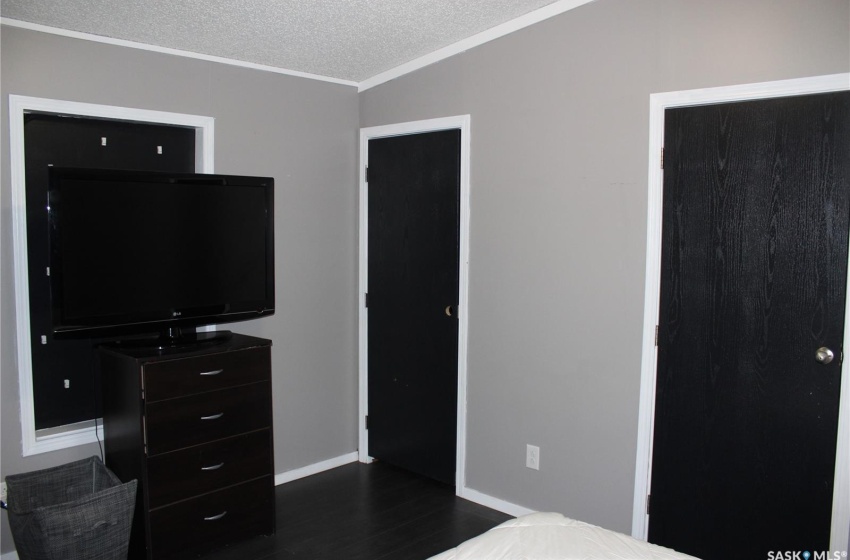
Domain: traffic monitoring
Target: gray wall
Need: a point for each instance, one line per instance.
(560, 125)
(301, 132)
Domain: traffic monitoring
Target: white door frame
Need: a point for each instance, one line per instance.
(461, 122)
(33, 442)
(643, 469)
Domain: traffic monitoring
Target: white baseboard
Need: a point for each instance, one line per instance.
(494, 503)
(315, 468)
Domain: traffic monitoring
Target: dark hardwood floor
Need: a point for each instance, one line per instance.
(365, 512)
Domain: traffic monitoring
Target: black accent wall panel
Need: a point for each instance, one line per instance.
(67, 141)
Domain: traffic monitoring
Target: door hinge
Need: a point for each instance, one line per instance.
(367, 421)
(366, 299)
(656, 335)
(662, 158)
(367, 173)
(648, 496)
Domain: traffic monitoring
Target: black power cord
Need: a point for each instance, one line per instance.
(98, 397)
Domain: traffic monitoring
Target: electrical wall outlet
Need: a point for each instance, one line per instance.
(532, 457)
(3, 496)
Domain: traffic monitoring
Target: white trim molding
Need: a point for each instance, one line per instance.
(463, 123)
(165, 50)
(536, 16)
(33, 442)
(495, 503)
(315, 468)
(643, 467)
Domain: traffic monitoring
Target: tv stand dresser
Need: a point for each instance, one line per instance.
(194, 426)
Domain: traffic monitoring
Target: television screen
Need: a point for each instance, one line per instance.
(138, 252)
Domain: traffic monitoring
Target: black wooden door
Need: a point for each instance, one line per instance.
(753, 278)
(413, 246)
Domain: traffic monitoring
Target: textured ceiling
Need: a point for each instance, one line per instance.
(350, 40)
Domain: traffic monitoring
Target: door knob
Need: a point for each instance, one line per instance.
(824, 355)
(448, 311)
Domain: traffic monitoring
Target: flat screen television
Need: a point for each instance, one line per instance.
(134, 252)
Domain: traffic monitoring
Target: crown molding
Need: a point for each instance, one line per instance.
(165, 50)
(546, 12)
(506, 28)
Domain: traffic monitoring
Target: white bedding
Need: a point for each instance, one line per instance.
(551, 536)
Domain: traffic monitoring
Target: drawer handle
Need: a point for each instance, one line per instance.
(216, 517)
(213, 416)
(214, 372)
(213, 467)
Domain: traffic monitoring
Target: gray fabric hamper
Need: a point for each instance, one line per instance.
(76, 511)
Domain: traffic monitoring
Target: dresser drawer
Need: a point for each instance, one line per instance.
(193, 526)
(204, 468)
(206, 417)
(185, 376)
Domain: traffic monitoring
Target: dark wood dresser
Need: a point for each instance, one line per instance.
(194, 427)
